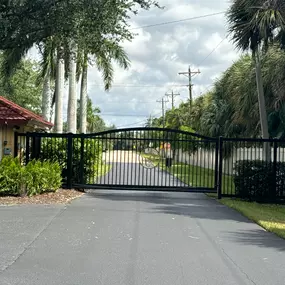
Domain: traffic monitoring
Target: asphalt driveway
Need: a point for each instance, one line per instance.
(126, 238)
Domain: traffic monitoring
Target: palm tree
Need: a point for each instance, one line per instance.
(252, 24)
(47, 76)
(72, 95)
(59, 91)
(102, 57)
(51, 68)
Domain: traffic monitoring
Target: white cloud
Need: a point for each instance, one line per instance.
(158, 53)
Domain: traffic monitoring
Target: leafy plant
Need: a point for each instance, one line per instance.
(259, 180)
(42, 177)
(11, 175)
(35, 178)
(55, 150)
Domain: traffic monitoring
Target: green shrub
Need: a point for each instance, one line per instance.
(55, 149)
(35, 178)
(42, 177)
(11, 176)
(258, 180)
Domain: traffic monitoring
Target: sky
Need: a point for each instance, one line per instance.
(158, 53)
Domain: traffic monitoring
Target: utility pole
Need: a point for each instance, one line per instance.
(172, 95)
(189, 75)
(162, 101)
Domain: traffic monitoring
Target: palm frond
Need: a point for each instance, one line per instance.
(118, 54)
(11, 60)
(104, 66)
(254, 22)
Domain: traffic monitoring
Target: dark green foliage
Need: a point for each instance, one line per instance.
(55, 149)
(42, 176)
(231, 109)
(21, 88)
(29, 22)
(257, 180)
(35, 178)
(11, 176)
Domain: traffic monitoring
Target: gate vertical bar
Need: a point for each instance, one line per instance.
(69, 160)
(220, 179)
(216, 182)
(16, 137)
(81, 169)
(275, 168)
(27, 148)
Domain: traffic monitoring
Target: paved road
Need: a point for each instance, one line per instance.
(127, 170)
(134, 174)
(126, 238)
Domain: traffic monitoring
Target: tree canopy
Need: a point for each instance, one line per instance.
(88, 22)
(230, 109)
(23, 88)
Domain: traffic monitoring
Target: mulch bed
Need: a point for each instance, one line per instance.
(62, 196)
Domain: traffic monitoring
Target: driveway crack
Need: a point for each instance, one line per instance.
(240, 269)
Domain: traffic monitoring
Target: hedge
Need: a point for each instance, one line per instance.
(35, 178)
(259, 180)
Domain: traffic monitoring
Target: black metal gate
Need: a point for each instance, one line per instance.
(137, 158)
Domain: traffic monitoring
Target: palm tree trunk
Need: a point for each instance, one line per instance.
(72, 96)
(46, 96)
(59, 90)
(262, 107)
(83, 97)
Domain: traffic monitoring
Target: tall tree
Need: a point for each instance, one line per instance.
(252, 24)
(59, 91)
(47, 76)
(72, 95)
(86, 22)
(102, 57)
(22, 87)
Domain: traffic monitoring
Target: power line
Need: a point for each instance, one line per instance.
(122, 126)
(189, 75)
(162, 101)
(214, 49)
(130, 102)
(122, 115)
(172, 95)
(179, 21)
(211, 52)
(139, 122)
(139, 86)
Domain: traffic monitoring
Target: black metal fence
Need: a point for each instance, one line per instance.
(252, 169)
(163, 159)
(137, 158)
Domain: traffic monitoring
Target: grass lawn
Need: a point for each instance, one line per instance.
(102, 169)
(197, 176)
(269, 216)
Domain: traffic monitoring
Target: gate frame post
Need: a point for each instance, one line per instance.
(220, 179)
(16, 149)
(216, 181)
(69, 160)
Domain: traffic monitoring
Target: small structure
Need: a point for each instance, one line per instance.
(14, 118)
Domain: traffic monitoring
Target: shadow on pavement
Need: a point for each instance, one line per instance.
(195, 205)
(257, 237)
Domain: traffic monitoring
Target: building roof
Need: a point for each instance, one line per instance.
(15, 114)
